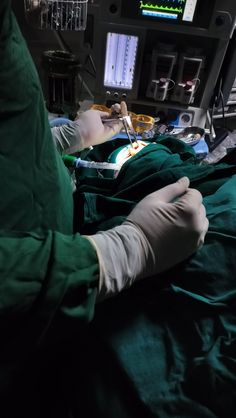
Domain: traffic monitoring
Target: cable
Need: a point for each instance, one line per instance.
(84, 85)
(90, 59)
(196, 85)
(223, 109)
(212, 119)
(173, 84)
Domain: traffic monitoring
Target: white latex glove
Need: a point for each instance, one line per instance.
(164, 228)
(89, 129)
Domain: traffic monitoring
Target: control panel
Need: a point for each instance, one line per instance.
(164, 54)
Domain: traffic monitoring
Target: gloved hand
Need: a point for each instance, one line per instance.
(164, 228)
(91, 128)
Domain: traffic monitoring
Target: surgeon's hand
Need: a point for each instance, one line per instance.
(90, 128)
(165, 228)
(95, 128)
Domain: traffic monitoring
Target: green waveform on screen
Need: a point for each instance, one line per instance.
(156, 7)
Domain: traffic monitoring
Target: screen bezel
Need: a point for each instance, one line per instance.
(101, 54)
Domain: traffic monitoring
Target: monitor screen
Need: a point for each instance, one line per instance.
(121, 52)
(169, 9)
(182, 12)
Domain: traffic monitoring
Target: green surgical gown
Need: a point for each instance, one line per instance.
(48, 275)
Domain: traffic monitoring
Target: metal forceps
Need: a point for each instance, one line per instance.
(129, 129)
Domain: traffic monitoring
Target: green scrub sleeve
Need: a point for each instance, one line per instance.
(49, 277)
(35, 187)
(46, 277)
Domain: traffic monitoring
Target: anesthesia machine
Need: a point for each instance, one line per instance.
(163, 57)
